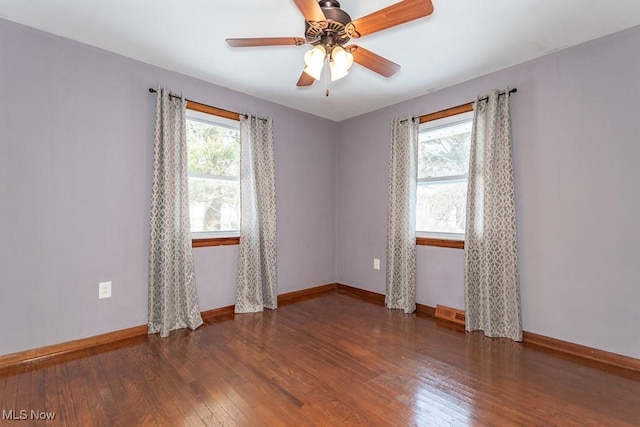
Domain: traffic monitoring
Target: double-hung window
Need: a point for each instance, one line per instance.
(213, 154)
(443, 165)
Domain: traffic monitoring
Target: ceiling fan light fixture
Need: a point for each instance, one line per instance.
(337, 72)
(341, 61)
(315, 56)
(341, 57)
(314, 71)
(314, 61)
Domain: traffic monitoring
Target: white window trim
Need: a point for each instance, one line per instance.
(441, 236)
(195, 235)
(444, 179)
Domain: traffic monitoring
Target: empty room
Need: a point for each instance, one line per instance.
(331, 213)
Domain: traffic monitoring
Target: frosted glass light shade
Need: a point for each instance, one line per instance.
(336, 71)
(314, 72)
(314, 61)
(341, 61)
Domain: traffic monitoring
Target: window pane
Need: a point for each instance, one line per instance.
(213, 154)
(441, 208)
(213, 150)
(444, 151)
(214, 205)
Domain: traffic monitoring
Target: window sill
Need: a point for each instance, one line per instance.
(443, 243)
(214, 241)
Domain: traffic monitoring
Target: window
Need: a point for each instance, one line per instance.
(443, 165)
(213, 154)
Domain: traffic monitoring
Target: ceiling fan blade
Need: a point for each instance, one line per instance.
(372, 61)
(310, 10)
(305, 80)
(266, 41)
(396, 14)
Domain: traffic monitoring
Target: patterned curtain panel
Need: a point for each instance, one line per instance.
(257, 285)
(173, 302)
(492, 289)
(401, 222)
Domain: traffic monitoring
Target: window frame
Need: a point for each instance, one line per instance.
(214, 238)
(445, 240)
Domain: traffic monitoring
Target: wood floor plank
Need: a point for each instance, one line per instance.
(82, 388)
(327, 379)
(74, 410)
(51, 396)
(37, 398)
(151, 384)
(254, 385)
(333, 359)
(168, 390)
(138, 391)
(24, 389)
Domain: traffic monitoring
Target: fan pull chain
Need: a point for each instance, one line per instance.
(326, 93)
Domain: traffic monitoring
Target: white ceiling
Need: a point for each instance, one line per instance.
(461, 40)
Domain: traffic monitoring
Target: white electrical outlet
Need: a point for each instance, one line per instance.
(376, 264)
(104, 290)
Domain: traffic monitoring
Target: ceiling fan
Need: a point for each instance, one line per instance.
(328, 28)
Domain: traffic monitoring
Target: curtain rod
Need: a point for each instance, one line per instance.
(152, 90)
(463, 108)
(514, 90)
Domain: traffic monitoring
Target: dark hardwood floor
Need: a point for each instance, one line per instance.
(329, 360)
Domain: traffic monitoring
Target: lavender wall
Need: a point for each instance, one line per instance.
(76, 135)
(576, 149)
(76, 128)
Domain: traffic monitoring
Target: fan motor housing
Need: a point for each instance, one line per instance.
(332, 31)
